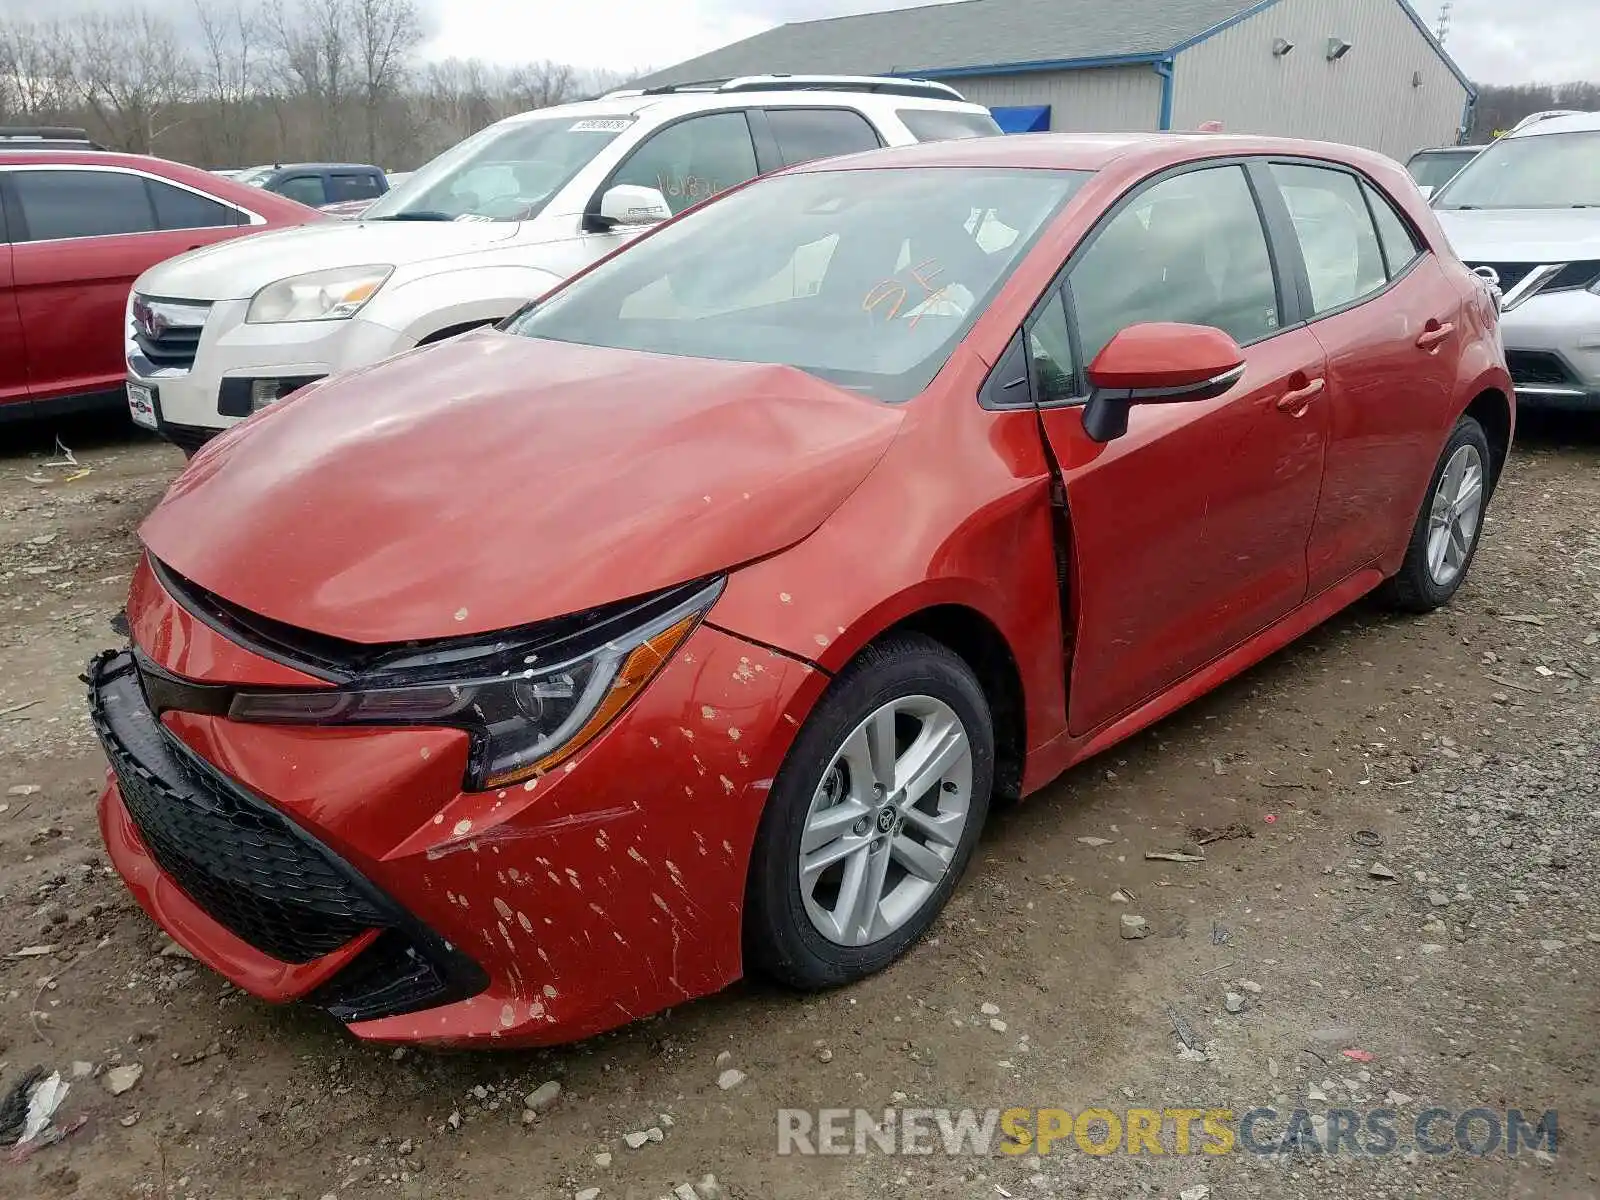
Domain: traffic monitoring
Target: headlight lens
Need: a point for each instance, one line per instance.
(529, 703)
(319, 296)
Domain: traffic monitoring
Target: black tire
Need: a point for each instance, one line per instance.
(780, 940)
(1413, 588)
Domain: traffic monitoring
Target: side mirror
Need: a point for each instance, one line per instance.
(629, 204)
(1426, 189)
(1157, 363)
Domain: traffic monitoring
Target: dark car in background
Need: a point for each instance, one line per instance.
(1432, 169)
(319, 184)
(77, 227)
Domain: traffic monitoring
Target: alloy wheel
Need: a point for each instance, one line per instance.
(886, 820)
(1453, 519)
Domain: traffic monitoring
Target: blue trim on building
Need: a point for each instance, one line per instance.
(1021, 118)
(1049, 64)
(1164, 69)
(1206, 35)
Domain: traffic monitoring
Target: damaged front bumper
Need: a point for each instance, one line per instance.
(252, 893)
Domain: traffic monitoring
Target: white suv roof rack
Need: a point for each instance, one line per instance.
(1551, 114)
(921, 89)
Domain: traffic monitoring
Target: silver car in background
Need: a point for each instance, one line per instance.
(1528, 207)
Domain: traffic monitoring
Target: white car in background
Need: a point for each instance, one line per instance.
(1528, 209)
(487, 226)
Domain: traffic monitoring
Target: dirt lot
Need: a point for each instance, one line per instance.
(1466, 741)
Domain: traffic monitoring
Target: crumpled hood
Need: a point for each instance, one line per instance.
(1520, 235)
(238, 269)
(495, 480)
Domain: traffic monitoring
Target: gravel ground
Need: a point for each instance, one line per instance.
(1455, 957)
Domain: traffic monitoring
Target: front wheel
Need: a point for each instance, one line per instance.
(1446, 533)
(873, 817)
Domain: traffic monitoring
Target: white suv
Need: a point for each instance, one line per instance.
(487, 226)
(1528, 210)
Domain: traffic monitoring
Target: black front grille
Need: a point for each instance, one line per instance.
(174, 348)
(1569, 278)
(167, 332)
(1510, 274)
(1537, 367)
(1573, 276)
(252, 869)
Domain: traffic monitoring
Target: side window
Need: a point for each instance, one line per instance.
(947, 125)
(1050, 349)
(76, 204)
(1190, 248)
(694, 159)
(1400, 247)
(1336, 234)
(180, 209)
(308, 189)
(807, 133)
(353, 187)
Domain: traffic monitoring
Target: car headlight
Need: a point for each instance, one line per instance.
(318, 296)
(530, 699)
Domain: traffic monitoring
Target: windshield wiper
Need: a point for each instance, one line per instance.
(421, 215)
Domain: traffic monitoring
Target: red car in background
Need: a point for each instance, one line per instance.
(688, 623)
(76, 228)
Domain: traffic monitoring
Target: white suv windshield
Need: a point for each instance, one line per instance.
(1546, 170)
(505, 173)
(864, 278)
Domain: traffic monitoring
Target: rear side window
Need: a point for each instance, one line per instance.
(180, 209)
(307, 189)
(77, 204)
(354, 187)
(1400, 246)
(1190, 248)
(1343, 257)
(807, 133)
(946, 125)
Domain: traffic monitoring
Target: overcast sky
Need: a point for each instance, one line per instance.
(1495, 41)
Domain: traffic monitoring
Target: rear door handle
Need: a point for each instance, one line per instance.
(1296, 402)
(1430, 338)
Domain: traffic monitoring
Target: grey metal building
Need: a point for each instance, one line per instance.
(1365, 72)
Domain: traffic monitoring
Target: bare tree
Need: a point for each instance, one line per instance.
(387, 33)
(228, 79)
(131, 72)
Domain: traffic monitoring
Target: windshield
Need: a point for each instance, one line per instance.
(505, 173)
(1438, 167)
(255, 176)
(1544, 170)
(864, 278)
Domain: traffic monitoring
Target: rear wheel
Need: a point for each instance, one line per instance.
(1445, 536)
(873, 817)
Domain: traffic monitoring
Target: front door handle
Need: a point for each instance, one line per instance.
(1296, 402)
(1431, 338)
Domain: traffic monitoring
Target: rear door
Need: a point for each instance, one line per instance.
(1388, 319)
(1189, 532)
(13, 350)
(81, 236)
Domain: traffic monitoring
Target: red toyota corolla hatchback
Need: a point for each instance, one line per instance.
(691, 622)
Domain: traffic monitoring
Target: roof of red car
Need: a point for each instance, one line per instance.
(277, 209)
(1090, 151)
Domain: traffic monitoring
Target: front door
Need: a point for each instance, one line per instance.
(1189, 532)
